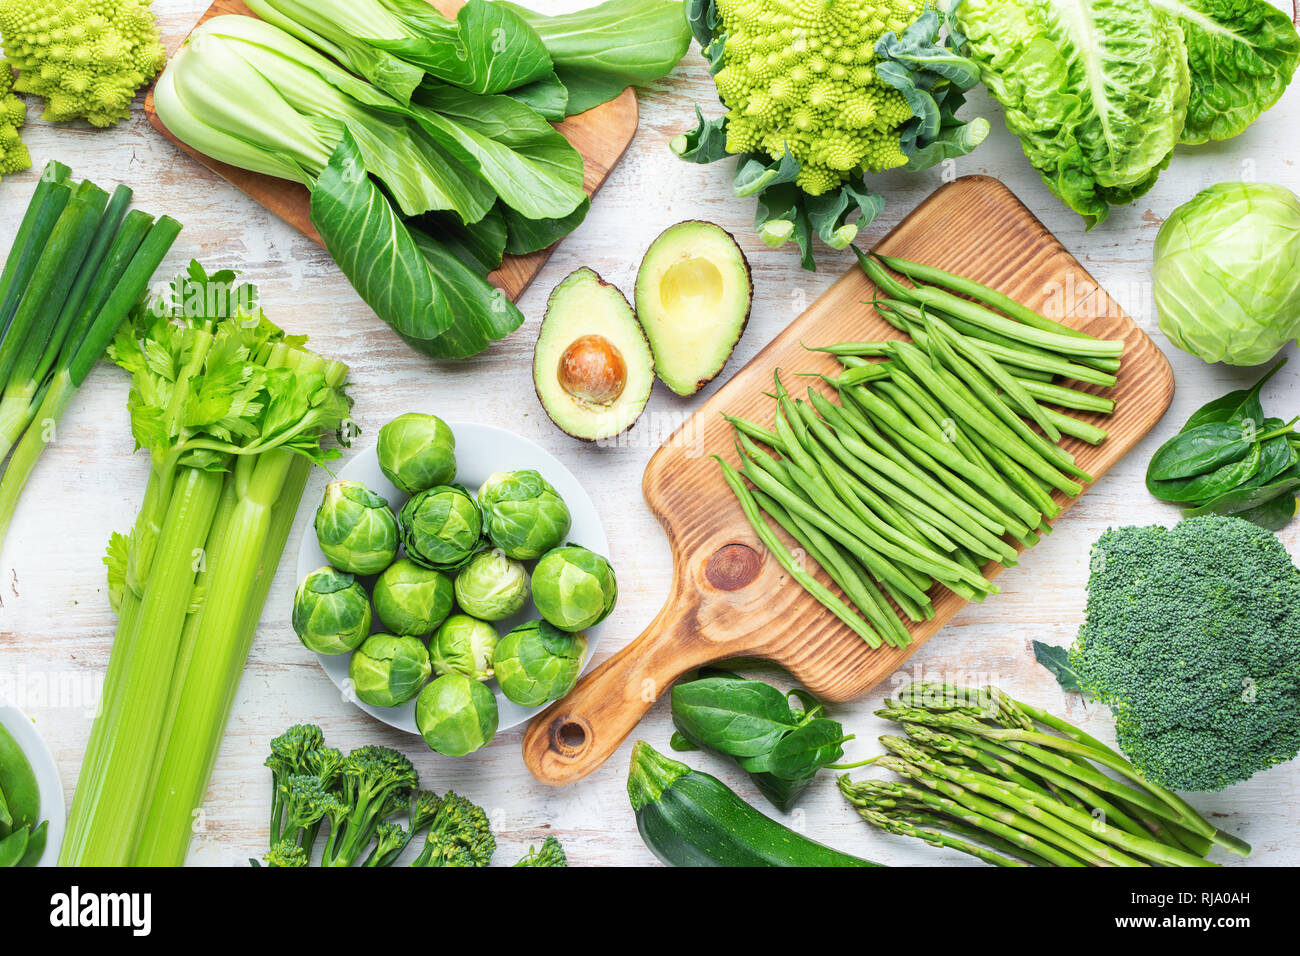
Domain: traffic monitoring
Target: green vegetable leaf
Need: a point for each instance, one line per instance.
(483, 313)
(1235, 406)
(532, 167)
(1242, 55)
(706, 143)
(804, 751)
(602, 50)
(1202, 449)
(1057, 660)
(492, 49)
(524, 235)
(1212, 483)
(742, 718)
(375, 250)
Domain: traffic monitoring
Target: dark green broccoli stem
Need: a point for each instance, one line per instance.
(888, 795)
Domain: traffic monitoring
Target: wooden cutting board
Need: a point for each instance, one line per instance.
(728, 597)
(601, 135)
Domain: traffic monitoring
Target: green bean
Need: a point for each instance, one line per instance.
(879, 472)
(930, 472)
(1067, 397)
(1009, 354)
(786, 560)
(976, 290)
(971, 349)
(1078, 429)
(1019, 476)
(835, 563)
(764, 476)
(966, 407)
(979, 315)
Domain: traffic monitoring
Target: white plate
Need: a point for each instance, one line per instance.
(480, 451)
(47, 778)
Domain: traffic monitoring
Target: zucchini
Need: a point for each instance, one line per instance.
(689, 818)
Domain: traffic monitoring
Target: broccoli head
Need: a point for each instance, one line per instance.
(550, 853)
(286, 853)
(459, 835)
(1192, 638)
(292, 753)
(86, 58)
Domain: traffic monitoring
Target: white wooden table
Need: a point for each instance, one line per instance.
(56, 625)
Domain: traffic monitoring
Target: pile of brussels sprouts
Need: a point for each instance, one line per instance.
(432, 610)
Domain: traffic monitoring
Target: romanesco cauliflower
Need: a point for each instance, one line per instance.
(86, 58)
(800, 75)
(13, 154)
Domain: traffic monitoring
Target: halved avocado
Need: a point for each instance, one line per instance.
(693, 293)
(592, 367)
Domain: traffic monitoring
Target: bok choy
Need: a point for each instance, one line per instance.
(386, 177)
(233, 413)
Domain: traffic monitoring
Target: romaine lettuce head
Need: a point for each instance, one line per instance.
(1227, 273)
(1096, 90)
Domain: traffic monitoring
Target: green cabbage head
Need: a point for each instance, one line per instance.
(1227, 273)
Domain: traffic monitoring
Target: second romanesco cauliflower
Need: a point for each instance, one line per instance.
(800, 75)
(86, 58)
(13, 112)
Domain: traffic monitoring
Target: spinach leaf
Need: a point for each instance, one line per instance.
(782, 794)
(1057, 661)
(1235, 406)
(1242, 56)
(1201, 449)
(802, 752)
(1273, 515)
(741, 718)
(681, 743)
(1240, 501)
(1212, 483)
(602, 50)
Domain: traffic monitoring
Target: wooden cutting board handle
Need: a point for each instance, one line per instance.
(579, 733)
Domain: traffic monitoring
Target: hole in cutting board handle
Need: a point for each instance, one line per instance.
(732, 567)
(571, 735)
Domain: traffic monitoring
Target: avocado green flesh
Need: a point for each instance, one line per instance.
(693, 295)
(583, 305)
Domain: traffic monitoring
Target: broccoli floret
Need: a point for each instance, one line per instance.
(306, 800)
(376, 783)
(292, 753)
(389, 839)
(459, 835)
(802, 77)
(549, 854)
(13, 113)
(86, 58)
(286, 853)
(1192, 638)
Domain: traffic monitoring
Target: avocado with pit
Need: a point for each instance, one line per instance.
(693, 294)
(592, 367)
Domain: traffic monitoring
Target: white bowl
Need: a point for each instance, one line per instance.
(481, 450)
(47, 778)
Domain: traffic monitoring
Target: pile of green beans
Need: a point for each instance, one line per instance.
(941, 453)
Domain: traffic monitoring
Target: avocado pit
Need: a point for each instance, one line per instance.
(592, 370)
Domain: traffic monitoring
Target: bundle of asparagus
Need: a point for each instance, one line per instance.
(1027, 785)
(940, 453)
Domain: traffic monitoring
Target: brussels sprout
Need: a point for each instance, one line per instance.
(522, 514)
(456, 715)
(417, 452)
(574, 588)
(356, 531)
(441, 527)
(492, 587)
(464, 645)
(410, 599)
(331, 613)
(388, 670)
(537, 662)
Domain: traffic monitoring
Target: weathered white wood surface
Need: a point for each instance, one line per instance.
(56, 626)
